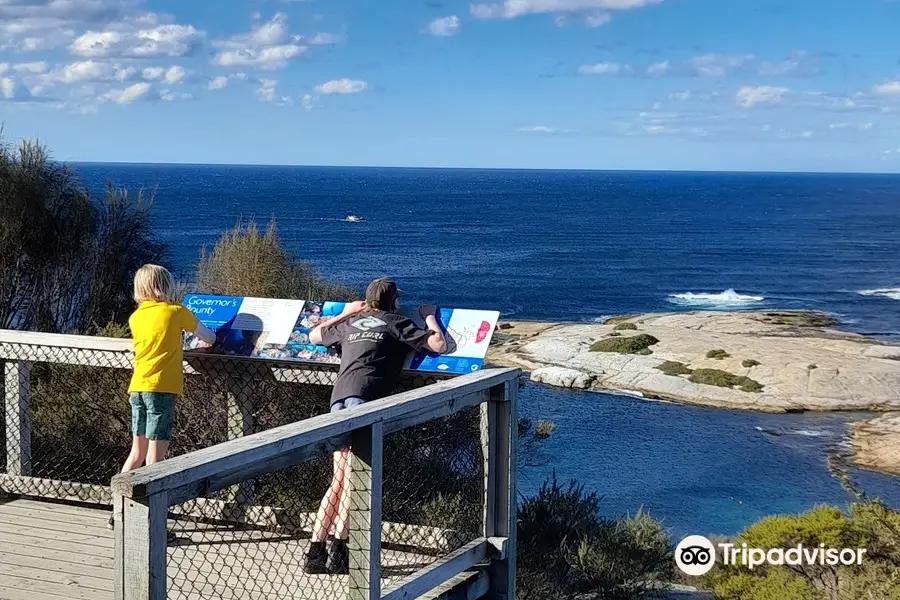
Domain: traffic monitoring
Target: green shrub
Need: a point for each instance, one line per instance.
(250, 262)
(67, 258)
(625, 345)
(567, 551)
(867, 524)
(750, 363)
(626, 326)
(674, 368)
(614, 334)
(721, 378)
(718, 354)
(800, 319)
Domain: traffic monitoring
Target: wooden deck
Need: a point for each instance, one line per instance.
(51, 551)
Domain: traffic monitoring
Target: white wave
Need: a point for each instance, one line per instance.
(725, 299)
(893, 293)
(810, 432)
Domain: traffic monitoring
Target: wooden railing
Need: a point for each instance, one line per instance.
(142, 498)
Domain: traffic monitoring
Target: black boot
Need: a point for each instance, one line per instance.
(316, 558)
(338, 558)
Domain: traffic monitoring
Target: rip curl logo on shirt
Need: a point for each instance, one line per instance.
(368, 323)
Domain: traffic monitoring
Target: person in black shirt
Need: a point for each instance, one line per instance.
(374, 342)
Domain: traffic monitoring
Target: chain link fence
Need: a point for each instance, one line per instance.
(66, 432)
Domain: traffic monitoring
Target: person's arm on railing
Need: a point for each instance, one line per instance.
(350, 309)
(437, 341)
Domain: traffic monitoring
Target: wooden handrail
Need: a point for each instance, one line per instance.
(191, 473)
(65, 340)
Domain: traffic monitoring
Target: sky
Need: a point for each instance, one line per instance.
(796, 85)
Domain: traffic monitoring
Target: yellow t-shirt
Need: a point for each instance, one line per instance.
(156, 328)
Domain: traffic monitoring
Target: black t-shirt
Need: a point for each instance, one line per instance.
(374, 346)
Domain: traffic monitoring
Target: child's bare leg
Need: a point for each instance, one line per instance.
(342, 527)
(156, 451)
(137, 455)
(328, 509)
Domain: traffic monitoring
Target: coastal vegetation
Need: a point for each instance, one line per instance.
(626, 326)
(750, 363)
(250, 262)
(866, 523)
(725, 379)
(718, 354)
(636, 344)
(566, 550)
(800, 319)
(66, 255)
(674, 368)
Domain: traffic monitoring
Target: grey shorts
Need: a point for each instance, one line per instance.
(347, 403)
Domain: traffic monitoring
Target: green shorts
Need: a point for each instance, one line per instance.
(152, 414)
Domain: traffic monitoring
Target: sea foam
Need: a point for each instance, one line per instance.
(893, 293)
(727, 299)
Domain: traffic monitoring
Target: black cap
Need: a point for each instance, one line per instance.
(382, 294)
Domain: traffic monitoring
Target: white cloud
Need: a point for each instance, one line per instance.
(603, 68)
(174, 74)
(320, 39)
(127, 95)
(512, 9)
(266, 58)
(867, 126)
(217, 83)
(750, 96)
(659, 69)
(267, 46)
(798, 64)
(538, 129)
(445, 26)
(807, 134)
(598, 19)
(889, 88)
(31, 25)
(153, 42)
(341, 86)
(308, 101)
(35, 68)
(152, 73)
(126, 73)
(718, 65)
(266, 90)
(684, 96)
(171, 96)
(88, 70)
(7, 88)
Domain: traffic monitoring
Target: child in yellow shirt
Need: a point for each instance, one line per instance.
(157, 382)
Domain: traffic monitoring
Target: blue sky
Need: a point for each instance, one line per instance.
(606, 84)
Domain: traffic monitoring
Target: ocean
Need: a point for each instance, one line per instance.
(583, 245)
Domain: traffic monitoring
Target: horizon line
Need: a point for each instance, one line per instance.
(443, 168)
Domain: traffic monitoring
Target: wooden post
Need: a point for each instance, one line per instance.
(141, 562)
(499, 431)
(240, 424)
(18, 427)
(365, 513)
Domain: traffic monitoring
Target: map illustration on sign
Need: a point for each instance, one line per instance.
(279, 330)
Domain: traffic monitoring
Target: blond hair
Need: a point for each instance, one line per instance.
(152, 282)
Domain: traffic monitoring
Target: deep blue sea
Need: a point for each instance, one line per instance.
(580, 245)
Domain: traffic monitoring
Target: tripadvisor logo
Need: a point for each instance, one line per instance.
(696, 555)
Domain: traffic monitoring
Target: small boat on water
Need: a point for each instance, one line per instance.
(354, 219)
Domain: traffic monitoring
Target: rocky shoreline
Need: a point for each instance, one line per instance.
(788, 361)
